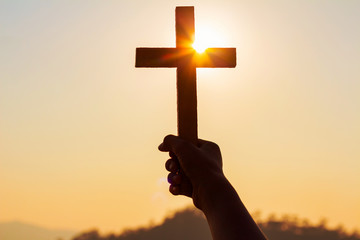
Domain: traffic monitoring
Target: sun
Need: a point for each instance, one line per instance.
(206, 38)
(200, 47)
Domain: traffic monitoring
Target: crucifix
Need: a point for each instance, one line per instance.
(186, 60)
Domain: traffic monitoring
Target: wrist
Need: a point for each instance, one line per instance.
(208, 191)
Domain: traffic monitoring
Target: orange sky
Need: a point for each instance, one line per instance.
(79, 125)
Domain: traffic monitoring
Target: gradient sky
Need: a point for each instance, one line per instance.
(80, 125)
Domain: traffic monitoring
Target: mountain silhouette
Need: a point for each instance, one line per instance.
(190, 224)
(187, 224)
(24, 231)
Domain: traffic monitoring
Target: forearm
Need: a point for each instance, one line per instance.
(227, 216)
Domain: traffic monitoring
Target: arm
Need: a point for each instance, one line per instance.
(196, 172)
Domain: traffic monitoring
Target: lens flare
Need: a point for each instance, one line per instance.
(206, 38)
(199, 47)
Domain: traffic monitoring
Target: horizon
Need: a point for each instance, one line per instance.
(258, 217)
(80, 125)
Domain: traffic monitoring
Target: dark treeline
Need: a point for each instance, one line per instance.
(190, 224)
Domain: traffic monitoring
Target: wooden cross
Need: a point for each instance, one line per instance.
(186, 60)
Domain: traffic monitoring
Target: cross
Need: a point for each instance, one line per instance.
(186, 60)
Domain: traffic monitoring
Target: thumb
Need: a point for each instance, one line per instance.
(176, 145)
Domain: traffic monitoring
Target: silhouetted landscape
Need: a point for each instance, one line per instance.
(190, 224)
(25, 231)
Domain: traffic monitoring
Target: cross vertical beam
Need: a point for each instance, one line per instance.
(186, 76)
(184, 27)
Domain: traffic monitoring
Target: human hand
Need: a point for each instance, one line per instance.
(196, 171)
(193, 169)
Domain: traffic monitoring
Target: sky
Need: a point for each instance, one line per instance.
(80, 125)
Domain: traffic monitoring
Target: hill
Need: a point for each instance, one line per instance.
(190, 224)
(24, 231)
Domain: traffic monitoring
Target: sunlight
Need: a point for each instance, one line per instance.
(205, 38)
(199, 47)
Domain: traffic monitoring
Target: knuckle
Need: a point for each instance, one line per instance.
(214, 146)
(168, 165)
(174, 190)
(170, 178)
(167, 138)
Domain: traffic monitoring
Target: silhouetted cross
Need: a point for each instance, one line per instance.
(186, 60)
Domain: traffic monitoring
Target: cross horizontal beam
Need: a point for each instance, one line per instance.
(171, 57)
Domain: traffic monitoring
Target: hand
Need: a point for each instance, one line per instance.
(196, 171)
(192, 168)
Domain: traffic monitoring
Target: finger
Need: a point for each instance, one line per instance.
(174, 189)
(172, 165)
(174, 178)
(183, 183)
(168, 164)
(164, 147)
(185, 188)
(169, 177)
(178, 146)
(177, 179)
